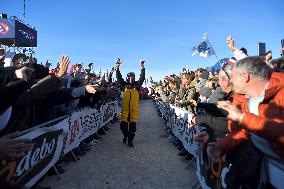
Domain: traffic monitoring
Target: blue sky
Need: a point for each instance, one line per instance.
(160, 31)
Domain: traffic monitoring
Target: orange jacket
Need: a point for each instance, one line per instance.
(270, 122)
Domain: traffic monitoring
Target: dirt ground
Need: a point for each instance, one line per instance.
(152, 163)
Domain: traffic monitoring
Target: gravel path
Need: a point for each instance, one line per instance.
(152, 163)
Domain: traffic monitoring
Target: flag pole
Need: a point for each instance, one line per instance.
(216, 56)
(212, 48)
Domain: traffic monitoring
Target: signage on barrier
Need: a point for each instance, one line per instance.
(28, 169)
(50, 142)
(210, 175)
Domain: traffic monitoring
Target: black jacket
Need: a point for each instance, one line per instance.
(125, 84)
(216, 126)
(22, 108)
(7, 75)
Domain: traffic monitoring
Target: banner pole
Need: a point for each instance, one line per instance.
(216, 56)
(206, 38)
(212, 49)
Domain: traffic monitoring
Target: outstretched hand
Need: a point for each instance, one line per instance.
(142, 62)
(10, 146)
(63, 66)
(117, 63)
(234, 112)
(91, 88)
(231, 43)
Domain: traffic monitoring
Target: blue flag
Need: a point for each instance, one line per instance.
(203, 48)
(217, 67)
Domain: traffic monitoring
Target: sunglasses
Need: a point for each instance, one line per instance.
(226, 72)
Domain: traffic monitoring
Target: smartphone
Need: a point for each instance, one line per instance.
(261, 49)
(118, 61)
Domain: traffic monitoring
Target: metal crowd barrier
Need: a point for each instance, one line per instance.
(178, 119)
(51, 140)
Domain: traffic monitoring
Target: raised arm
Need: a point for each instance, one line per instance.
(119, 78)
(45, 87)
(238, 54)
(142, 74)
(110, 75)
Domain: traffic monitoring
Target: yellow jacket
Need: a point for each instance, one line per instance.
(129, 109)
(130, 105)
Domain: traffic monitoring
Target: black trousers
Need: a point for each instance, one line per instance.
(128, 130)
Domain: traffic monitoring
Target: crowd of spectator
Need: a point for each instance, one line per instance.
(248, 90)
(32, 94)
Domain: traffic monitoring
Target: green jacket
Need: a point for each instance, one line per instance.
(172, 96)
(187, 94)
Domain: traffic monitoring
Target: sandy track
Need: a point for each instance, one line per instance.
(152, 163)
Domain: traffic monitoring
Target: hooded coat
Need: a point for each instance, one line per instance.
(129, 109)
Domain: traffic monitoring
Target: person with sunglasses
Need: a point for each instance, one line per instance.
(216, 127)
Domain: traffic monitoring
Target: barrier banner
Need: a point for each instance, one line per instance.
(51, 142)
(85, 122)
(74, 130)
(210, 174)
(180, 121)
(28, 169)
(90, 122)
(108, 111)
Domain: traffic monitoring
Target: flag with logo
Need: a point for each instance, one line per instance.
(204, 48)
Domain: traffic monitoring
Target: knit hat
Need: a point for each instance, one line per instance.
(204, 75)
(131, 74)
(244, 50)
(206, 91)
(177, 80)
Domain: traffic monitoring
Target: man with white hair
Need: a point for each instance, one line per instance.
(256, 114)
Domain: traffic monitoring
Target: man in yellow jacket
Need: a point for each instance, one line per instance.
(129, 109)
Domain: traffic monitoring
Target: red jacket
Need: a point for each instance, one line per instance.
(270, 122)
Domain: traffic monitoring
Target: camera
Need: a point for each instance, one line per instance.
(201, 111)
(211, 109)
